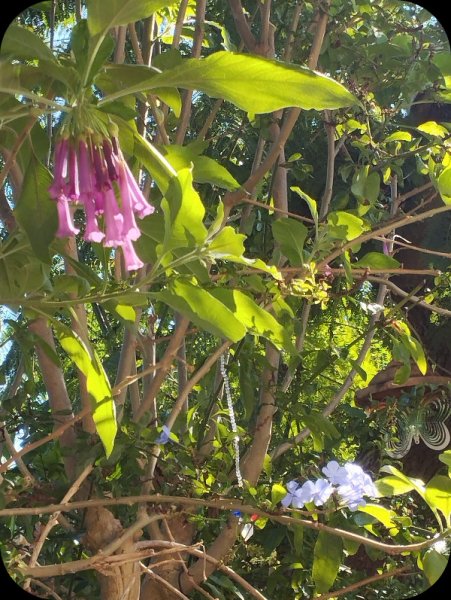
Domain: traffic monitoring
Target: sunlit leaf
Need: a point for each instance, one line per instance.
(253, 83)
(97, 383)
(203, 309)
(327, 557)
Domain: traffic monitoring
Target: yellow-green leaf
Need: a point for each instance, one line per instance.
(98, 386)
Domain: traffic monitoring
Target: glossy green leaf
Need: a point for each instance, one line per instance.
(227, 243)
(159, 168)
(438, 495)
(344, 225)
(207, 170)
(321, 427)
(18, 79)
(255, 318)
(102, 16)
(98, 386)
(290, 235)
(382, 514)
(253, 83)
(327, 557)
(203, 309)
(36, 211)
(433, 128)
(278, 492)
(377, 260)
(83, 45)
(397, 483)
(23, 43)
(403, 136)
(444, 185)
(416, 351)
(183, 212)
(392, 486)
(311, 203)
(434, 564)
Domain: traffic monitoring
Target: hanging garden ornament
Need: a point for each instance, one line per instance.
(90, 171)
(426, 421)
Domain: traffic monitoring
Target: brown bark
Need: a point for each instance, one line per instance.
(116, 583)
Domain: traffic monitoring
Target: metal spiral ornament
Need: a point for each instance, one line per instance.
(425, 422)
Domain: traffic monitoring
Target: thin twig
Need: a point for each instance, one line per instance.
(58, 432)
(165, 583)
(362, 583)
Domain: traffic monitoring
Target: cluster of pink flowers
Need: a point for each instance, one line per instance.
(94, 174)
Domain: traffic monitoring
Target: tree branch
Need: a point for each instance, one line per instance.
(242, 26)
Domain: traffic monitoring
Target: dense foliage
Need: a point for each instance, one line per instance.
(219, 221)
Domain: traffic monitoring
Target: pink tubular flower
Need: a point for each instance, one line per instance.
(94, 174)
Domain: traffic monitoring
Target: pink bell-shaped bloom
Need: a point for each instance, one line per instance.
(72, 186)
(140, 204)
(66, 227)
(131, 231)
(92, 231)
(114, 221)
(60, 169)
(131, 259)
(92, 172)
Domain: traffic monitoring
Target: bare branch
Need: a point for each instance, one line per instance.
(362, 583)
(58, 432)
(242, 26)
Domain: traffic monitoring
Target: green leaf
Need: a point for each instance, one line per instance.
(433, 128)
(398, 483)
(434, 564)
(326, 561)
(207, 170)
(290, 235)
(278, 492)
(36, 211)
(344, 225)
(445, 457)
(158, 167)
(98, 386)
(311, 203)
(438, 495)
(83, 45)
(444, 185)
(254, 318)
(18, 79)
(24, 43)
(377, 260)
(184, 212)
(203, 309)
(403, 136)
(321, 427)
(254, 84)
(416, 351)
(382, 514)
(103, 16)
(227, 243)
(392, 486)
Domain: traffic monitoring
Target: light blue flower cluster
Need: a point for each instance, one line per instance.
(351, 482)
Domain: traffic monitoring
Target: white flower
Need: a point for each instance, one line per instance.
(304, 494)
(322, 492)
(292, 486)
(335, 473)
(351, 495)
